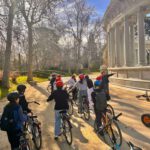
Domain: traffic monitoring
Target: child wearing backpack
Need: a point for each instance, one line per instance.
(100, 102)
(12, 120)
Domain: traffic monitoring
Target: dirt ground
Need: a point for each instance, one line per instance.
(84, 138)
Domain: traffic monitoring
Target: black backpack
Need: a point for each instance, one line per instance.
(7, 122)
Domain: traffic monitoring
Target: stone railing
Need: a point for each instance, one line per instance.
(141, 72)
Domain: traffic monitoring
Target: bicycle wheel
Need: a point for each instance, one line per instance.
(146, 120)
(70, 111)
(37, 137)
(110, 110)
(67, 131)
(86, 111)
(24, 145)
(115, 134)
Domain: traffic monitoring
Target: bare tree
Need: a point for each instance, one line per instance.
(33, 11)
(78, 16)
(11, 6)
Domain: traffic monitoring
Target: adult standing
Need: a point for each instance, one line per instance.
(105, 80)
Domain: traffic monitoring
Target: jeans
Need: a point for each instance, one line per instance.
(57, 122)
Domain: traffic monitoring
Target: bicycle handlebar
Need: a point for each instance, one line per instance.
(116, 117)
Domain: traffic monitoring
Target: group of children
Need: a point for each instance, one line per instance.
(13, 118)
(97, 95)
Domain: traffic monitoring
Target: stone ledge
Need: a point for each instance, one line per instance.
(130, 68)
(132, 83)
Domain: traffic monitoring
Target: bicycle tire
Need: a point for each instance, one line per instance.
(112, 136)
(35, 137)
(70, 111)
(25, 146)
(86, 111)
(110, 110)
(67, 129)
(145, 118)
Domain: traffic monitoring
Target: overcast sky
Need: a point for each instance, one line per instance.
(100, 5)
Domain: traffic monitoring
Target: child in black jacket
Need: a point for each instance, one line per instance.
(61, 103)
(100, 102)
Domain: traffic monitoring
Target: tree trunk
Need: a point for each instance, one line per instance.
(30, 53)
(19, 62)
(5, 79)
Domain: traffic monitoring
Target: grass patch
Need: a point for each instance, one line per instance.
(20, 80)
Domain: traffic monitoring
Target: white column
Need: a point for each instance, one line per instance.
(109, 48)
(122, 46)
(117, 45)
(132, 51)
(113, 47)
(141, 37)
(126, 41)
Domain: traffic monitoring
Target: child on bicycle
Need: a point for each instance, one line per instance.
(22, 99)
(100, 102)
(71, 82)
(12, 120)
(61, 103)
(81, 86)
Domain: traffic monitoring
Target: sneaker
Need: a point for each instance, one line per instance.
(56, 137)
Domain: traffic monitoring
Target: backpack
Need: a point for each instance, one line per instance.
(7, 122)
(101, 101)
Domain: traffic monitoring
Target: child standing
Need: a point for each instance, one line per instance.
(100, 102)
(12, 120)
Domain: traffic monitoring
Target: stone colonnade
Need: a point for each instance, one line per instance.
(121, 39)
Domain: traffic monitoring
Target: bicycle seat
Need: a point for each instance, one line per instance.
(63, 112)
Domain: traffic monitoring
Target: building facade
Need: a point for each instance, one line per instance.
(127, 23)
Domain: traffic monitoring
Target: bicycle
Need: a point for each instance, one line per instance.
(85, 108)
(70, 101)
(70, 111)
(146, 96)
(24, 142)
(66, 126)
(145, 118)
(110, 128)
(133, 147)
(34, 128)
(110, 110)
